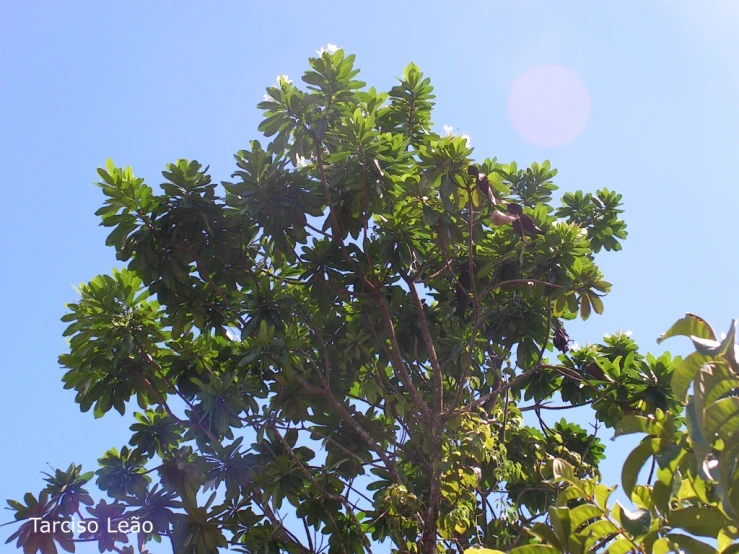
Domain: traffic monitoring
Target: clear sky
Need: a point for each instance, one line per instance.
(656, 118)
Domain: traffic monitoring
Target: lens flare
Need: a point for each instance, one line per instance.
(549, 105)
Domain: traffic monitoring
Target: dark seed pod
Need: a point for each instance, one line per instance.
(524, 224)
(499, 218)
(514, 208)
(561, 340)
(483, 185)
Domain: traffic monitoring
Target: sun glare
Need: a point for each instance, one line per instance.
(549, 105)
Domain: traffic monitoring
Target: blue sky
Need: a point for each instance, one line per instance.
(147, 83)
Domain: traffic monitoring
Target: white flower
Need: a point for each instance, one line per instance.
(628, 333)
(283, 79)
(449, 132)
(330, 49)
(300, 161)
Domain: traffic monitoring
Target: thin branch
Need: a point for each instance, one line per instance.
(326, 494)
(347, 417)
(428, 341)
(395, 359)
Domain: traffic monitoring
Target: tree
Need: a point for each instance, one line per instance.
(348, 334)
(694, 463)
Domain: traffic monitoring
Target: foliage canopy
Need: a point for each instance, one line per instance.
(335, 350)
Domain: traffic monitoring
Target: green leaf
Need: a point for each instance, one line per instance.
(722, 418)
(690, 325)
(711, 347)
(544, 533)
(564, 471)
(638, 424)
(535, 549)
(685, 372)
(694, 421)
(601, 495)
(585, 512)
(704, 521)
(661, 546)
(573, 492)
(597, 303)
(635, 461)
(620, 546)
(596, 532)
(560, 518)
(691, 545)
(729, 475)
(717, 380)
(584, 307)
